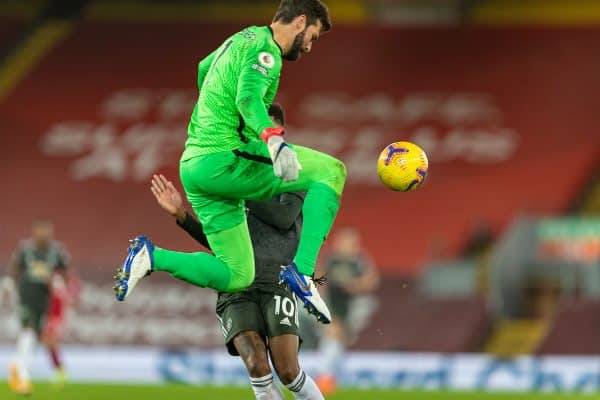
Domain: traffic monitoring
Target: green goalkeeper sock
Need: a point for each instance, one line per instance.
(320, 208)
(199, 269)
(231, 270)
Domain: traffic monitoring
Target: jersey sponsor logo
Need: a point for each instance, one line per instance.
(285, 321)
(260, 69)
(266, 59)
(40, 271)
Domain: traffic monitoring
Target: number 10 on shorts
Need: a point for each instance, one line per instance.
(287, 306)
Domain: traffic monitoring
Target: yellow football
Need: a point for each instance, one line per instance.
(402, 166)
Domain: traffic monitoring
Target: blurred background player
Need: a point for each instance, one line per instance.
(350, 275)
(34, 264)
(264, 316)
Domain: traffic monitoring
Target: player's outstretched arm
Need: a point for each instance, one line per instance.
(280, 213)
(171, 201)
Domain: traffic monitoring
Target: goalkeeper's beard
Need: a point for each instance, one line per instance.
(296, 50)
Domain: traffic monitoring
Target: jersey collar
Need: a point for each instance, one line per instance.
(275, 41)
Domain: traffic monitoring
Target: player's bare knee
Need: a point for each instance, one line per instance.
(251, 347)
(288, 373)
(257, 364)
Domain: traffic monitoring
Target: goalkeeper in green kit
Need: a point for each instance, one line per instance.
(234, 152)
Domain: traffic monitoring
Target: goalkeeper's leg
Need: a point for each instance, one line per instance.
(323, 177)
(232, 269)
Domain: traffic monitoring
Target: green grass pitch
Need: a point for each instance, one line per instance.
(180, 392)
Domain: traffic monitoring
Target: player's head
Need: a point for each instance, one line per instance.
(42, 231)
(304, 21)
(347, 241)
(277, 115)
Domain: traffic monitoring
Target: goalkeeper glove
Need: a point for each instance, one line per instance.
(285, 161)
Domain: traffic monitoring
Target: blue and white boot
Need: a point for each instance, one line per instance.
(137, 265)
(305, 289)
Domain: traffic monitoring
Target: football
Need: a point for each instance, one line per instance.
(402, 166)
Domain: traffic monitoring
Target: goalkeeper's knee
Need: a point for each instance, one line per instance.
(334, 175)
(241, 278)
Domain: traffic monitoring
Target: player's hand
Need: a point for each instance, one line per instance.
(167, 196)
(285, 161)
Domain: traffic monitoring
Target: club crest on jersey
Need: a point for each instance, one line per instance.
(266, 59)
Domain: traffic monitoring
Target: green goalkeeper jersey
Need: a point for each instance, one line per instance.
(237, 83)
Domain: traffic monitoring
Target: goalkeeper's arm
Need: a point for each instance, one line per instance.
(251, 106)
(255, 79)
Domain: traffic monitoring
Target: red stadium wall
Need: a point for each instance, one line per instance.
(508, 116)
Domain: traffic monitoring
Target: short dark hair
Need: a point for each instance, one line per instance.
(313, 9)
(276, 112)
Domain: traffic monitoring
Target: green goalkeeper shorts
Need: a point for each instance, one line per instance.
(217, 184)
